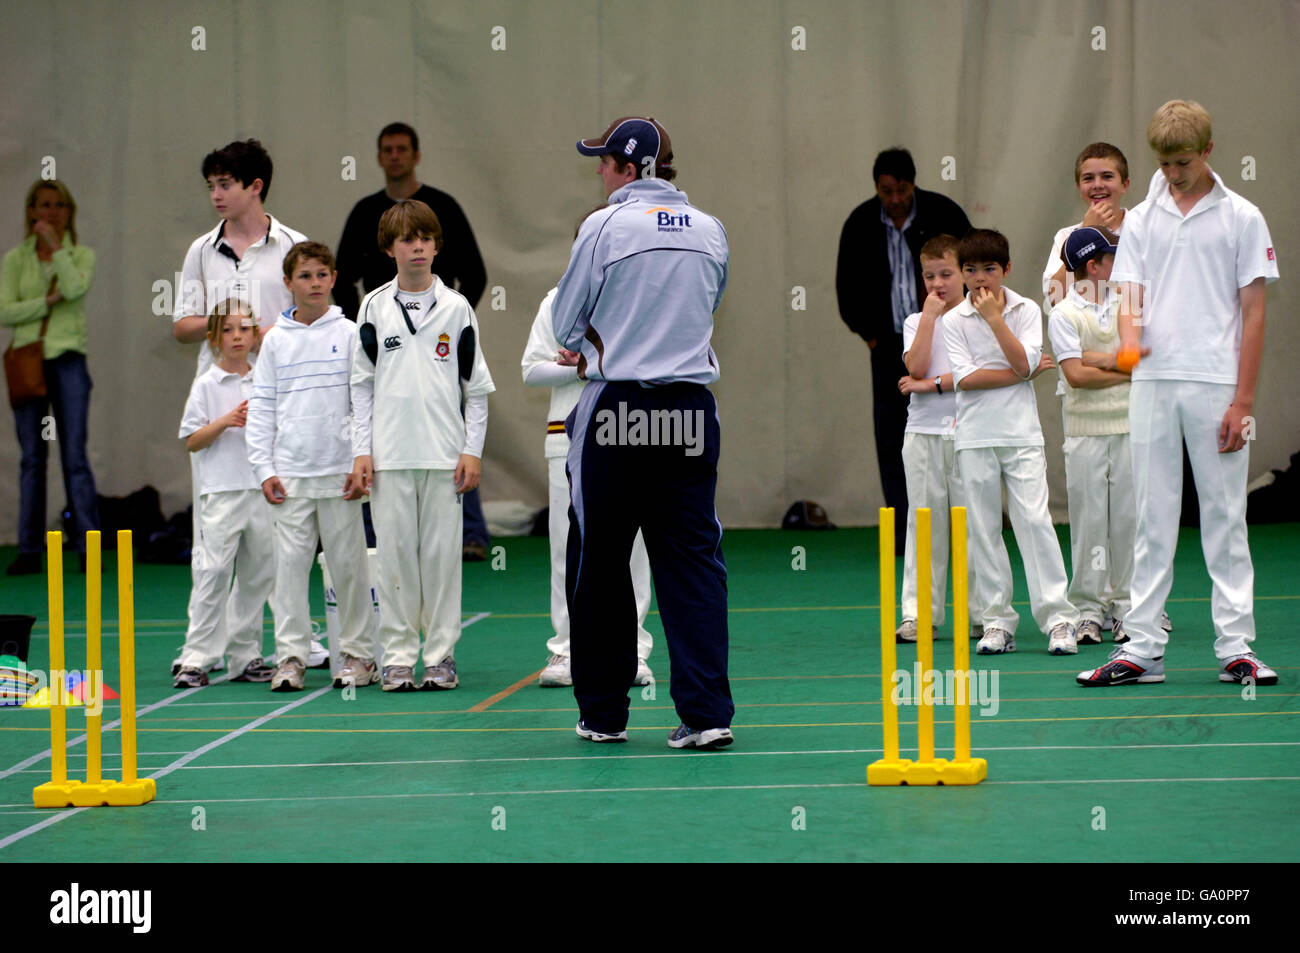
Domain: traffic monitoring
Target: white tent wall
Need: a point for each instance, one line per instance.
(775, 140)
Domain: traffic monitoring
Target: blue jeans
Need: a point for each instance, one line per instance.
(67, 385)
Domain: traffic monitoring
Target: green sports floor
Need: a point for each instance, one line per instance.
(493, 770)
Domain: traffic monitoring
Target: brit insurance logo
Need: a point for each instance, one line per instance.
(669, 221)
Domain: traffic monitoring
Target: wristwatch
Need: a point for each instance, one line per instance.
(938, 384)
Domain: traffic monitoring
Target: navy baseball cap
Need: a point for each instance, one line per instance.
(1084, 244)
(634, 138)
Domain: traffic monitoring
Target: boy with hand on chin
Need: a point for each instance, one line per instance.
(929, 454)
(995, 339)
(299, 438)
(1101, 176)
(416, 356)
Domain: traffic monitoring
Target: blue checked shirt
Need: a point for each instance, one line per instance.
(902, 270)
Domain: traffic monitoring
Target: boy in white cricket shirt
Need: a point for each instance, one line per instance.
(1098, 462)
(417, 355)
(541, 369)
(929, 447)
(994, 339)
(236, 528)
(300, 445)
(1191, 271)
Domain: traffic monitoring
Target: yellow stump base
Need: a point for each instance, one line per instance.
(78, 794)
(884, 773)
(132, 793)
(54, 793)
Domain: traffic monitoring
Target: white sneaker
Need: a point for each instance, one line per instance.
(996, 642)
(318, 656)
(1061, 641)
(1166, 623)
(1088, 633)
(643, 674)
(557, 673)
(906, 632)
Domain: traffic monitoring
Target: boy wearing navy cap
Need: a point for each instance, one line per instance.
(1084, 332)
(634, 313)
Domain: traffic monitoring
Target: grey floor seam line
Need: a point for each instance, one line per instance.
(34, 759)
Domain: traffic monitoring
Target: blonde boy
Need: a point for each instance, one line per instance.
(416, 358)
(994, 339)
(1101, 176)
(929, 445)
(300, 446)
(1191, 272)
(235, 529)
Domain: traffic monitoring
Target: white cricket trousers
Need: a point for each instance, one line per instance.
(1162, 415)
(1099, 483)
(930, 466)
(236, 535)
(419, 532)
(299, 521)
(1023, 470)
(558, 521)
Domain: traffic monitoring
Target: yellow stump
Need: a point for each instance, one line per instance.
(927, 769)
(890, 766)
(924, 641)
(94, 791)
(975, 769)
(130, 790)
(57, 791)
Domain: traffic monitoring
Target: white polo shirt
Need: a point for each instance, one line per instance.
(1192, 269)
(211, 274)
(1003, 416)
(223, 464)
(406, 404)
(930, 413)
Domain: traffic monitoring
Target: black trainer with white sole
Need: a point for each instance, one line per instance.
(600, 737)
(1124, 669)
(702, 739)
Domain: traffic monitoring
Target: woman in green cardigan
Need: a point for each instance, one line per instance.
(48, 275)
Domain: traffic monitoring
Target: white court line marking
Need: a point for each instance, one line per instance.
(178, 763)
(670, 755)
(28, 762)
(673, 788)
(730, 754)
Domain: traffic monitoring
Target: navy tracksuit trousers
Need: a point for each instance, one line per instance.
(646, 458)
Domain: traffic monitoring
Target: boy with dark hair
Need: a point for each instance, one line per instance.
(242, 258)
(994, 339)
(416, 360)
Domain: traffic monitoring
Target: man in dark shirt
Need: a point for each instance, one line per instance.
(878, 283)
(458, 264)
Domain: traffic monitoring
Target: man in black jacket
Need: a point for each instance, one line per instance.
(878, 283)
